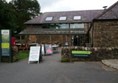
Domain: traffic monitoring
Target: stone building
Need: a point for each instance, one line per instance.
(98, 28)
(68, 27)
(104, 32)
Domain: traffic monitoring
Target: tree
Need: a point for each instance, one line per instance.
(27, 9)
(14, 14)
(7, 16)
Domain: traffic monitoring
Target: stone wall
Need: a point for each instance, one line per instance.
(97, 54)
(105, 34)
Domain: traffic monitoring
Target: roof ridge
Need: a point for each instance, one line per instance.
(105, 11)
(74, 11)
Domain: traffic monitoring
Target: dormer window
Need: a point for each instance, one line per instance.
(62, 18)
(77, 17)
(49, 18)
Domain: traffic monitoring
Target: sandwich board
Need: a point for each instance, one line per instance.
(48, 48)
(34, 54)
(43, 49)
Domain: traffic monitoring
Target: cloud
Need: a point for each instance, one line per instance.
(45, 3)
(66, 5)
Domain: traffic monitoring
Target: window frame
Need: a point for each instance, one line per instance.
(72, 26)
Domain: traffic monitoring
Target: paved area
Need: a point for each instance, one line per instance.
(51, 70)
(111, 63)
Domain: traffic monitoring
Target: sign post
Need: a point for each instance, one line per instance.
(5, 44)
(34, 54)
(0, 46)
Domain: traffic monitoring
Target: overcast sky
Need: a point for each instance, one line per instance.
(69, 5)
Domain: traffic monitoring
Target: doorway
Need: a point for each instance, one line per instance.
(79, 40)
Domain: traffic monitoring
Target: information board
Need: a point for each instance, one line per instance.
(5, 42)
(34, 54)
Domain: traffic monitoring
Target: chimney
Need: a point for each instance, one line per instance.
(105, 7)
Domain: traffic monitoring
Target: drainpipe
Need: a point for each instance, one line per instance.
(69, 37)
(88, 33)
(92, 36)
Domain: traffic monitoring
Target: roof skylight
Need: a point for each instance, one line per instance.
(77, 17)
(62, 18)
(49, 18)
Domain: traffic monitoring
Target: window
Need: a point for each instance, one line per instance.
(77, 17)
(77, 26)
(62, 18)
(49, 18)
(62, 26)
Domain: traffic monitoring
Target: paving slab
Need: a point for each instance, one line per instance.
(111, 63)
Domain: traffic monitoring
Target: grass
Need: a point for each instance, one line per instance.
(19, 56)
(23, 55)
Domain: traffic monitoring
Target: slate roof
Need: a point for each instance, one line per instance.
(40, 31)
(86, 16)
(110, 13)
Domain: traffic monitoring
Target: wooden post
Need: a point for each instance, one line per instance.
(70, 44)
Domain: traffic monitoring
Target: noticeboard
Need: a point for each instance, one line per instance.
(48, 48)
(34, 54)
(5, 43)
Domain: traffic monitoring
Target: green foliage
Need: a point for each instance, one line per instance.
(7, 16)
(23, 55)
(27, 9)
(14, 14)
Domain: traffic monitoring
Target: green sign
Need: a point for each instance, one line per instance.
(5, 45)
(77, 53)
(81, 52)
